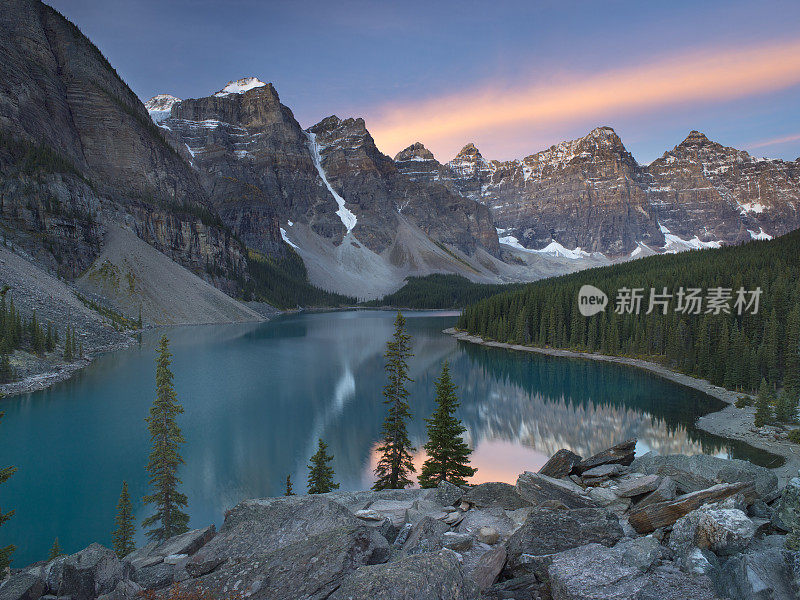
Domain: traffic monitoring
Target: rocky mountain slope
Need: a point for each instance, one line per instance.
(591, 194)
(607, 526)
(359, 224)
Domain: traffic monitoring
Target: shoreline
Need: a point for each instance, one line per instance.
(730, 422)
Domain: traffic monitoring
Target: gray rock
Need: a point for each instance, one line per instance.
(629, 570)
(125, 590)
(388, 530)
(186, 543)
(560, 464)
(425, 536)
(621, 454)
(525, 587)
(257, 527)
(22, 586)
(766, 575)
(311, 568)
(537, 489)
(155, 577)
(448, 494)
(428, 576)
(698, 472)
(458, 542)
(786, 511)
(92, 572)
(552, 531)
(394, 510)
(608, 498)
(488, 535)
(489, 566)
(502, 495)
(637, 486)
(724, 531)
(666, 490)
(603, 473)
(494, 517)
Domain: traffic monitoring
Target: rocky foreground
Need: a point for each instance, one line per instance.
(609, 526)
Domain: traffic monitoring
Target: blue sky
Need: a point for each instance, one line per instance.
(511, 76)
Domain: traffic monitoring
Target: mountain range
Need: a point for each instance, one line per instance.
(244, 199)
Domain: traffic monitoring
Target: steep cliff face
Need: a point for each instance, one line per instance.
(264, 172)
(371, 182)
(591, 194)
(79, 148)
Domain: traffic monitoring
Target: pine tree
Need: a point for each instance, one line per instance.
(5, 553)
(165, 457)
(122, 536)
(68, 345)
(289, 491)
(786, 407)
(6, 370)
(55, 550)
(448, 454)
(395, 464)
(763, 404)
(320, 473)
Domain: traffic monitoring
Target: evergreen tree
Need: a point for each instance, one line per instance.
(122, 536)
(320, 473)
(6, 552)
(786, 407)
(763, 404)
(68, 345)
(165, 457)
(448, 454)
(6, 371)
(395, 464)
(289, 491)
(55, 550)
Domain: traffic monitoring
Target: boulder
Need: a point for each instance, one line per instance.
(621, 454)
(786, 511)
(394, 510)
(425, 536)
(92, 572)
(765, 575)
(458, 542)
(257, 527)
(488, 535)
(662, 514)
(155, 577)
(448, 494)
(701, 471)
(536, 489)
(495, 517)
(311, 568)
(666, 490)
(633, 486)
(186, 543)
(489, 566)
(427, 576)
(552, 531)
(526, 587)
(503, 495)
(603, 473)
(724, 531)
(628, 571)
(367, 514)
(560, 464)
(125, 590)
(22, 586)
(608, 498)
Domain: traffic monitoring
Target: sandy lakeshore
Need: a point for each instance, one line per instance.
(730, 422)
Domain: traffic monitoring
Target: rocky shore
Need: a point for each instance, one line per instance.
(730, 422)
(607, 526)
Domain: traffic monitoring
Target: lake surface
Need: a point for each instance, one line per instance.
(258, 396)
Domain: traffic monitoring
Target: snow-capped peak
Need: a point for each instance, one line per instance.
(240, 86)
(159, 106)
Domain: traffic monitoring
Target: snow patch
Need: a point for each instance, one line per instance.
(287, 240)
(240, 86)
(761, 235)
(552, 249)
(676, 244)
(348, 218)
(754, 207)
(159, 106)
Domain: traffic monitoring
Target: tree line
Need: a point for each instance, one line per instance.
(19, 333)
(737, 349)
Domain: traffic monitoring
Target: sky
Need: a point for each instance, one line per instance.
(511, 76)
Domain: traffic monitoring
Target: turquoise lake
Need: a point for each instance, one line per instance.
(258, 396)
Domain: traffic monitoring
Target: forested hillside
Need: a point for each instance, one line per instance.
(728, 348)
(440, 291)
